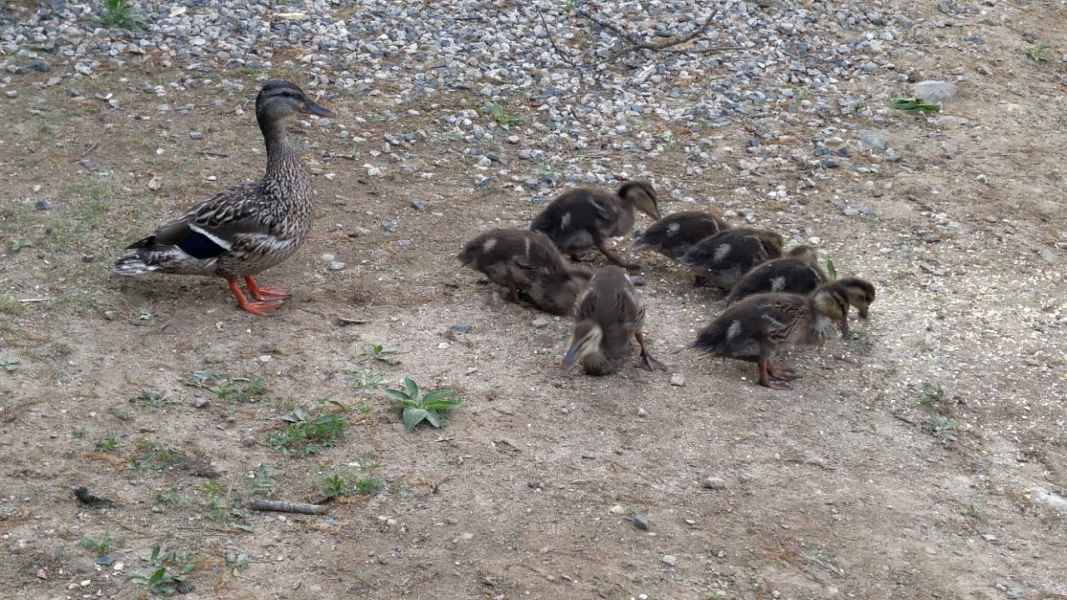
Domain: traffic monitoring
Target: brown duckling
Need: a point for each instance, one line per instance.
(753, 328)
(722, 259)
(798, 273)
(526, 261)
(673, 235)
(582, 218)
(860, 294)
(608, 314)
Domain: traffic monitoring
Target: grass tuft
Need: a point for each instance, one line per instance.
(310, 436)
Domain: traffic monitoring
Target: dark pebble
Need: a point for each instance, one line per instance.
(43, 205)
(39, 65)
(462, 328)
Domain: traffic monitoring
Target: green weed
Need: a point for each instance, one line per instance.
(914, 105)
(10, 305)
(167, 572)
(154, 457)
(307, 437)
(98, 546)
(502, 116)
(1038, 53)
(366, 379)
(418, 406)
(108, 444)
(119, 13)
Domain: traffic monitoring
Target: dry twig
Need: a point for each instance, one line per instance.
(289, 507)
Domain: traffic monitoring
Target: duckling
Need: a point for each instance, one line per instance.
(860, 294)
(248, 228)
(798, 272)
(582, 218)
(526, 261)
(721, 260)
(608, 314)
(753, 328)
(673, 235)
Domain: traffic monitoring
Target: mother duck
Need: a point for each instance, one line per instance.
(246, 229)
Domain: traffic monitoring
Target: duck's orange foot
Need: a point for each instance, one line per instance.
(260, 307)
(264, 294)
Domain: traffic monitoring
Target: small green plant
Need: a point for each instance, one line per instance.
(418, 406)
(152, 399)
(368, 486)
(830, 269)
(118, 13)
(1038, 53)
(169, 497)
(217, 506)
(241, 389)
(914, 105)
(262, 481)
(309, 436)
(366, 379)
(229, 389)
(98, 546)
(78, 434)
(502, 117)
(931, 395)
(152, 456)
(167, 574)
(942, 427)
(9, 305)
(382, 354)
(108, 444)
(336, 485)
(8, 364)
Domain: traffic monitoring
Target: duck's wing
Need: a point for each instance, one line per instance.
(211, 228)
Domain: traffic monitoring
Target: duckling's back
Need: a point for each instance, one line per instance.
(788, 274)
(675, 234)
(728, 255)
(612, 302)
(570, 219)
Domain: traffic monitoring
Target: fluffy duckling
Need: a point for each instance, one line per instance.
(860, 294)
(526, 261)
(673, 235)
(798, 273)
(722, 259)
(609, 313)
(753, 328)
(582, 218)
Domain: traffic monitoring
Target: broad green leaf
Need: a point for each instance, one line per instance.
(412, 388)
(399, 395)
(433, 418)
(439, 394)
(413, 416)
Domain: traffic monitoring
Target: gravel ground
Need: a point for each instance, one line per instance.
(925, 458)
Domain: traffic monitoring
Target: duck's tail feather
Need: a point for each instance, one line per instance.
(146, 256)
(133, 264)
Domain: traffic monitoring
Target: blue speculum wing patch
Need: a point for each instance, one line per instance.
(200, 246)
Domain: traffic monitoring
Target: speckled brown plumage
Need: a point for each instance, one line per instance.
(673, 235)
(608, 315)
(584, 218)
(526, 262)
(245, 229)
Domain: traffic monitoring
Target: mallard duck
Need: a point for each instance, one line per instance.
(582, 218)
(608, 314)
(798, 272)
(526, 261)
(246, 229)
(753, 328)
(721, 260)
(860, 294)
(673, 235)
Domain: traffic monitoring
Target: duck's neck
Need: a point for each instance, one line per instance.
(597, 363)
(283, 164)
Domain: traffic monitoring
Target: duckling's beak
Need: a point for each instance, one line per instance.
(571, 356)
(310, 107)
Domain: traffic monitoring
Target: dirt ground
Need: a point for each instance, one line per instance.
(926, 457)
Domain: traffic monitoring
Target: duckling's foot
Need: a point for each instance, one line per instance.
(265, 294)
(769, 376)
(651, 364)
(781, 373)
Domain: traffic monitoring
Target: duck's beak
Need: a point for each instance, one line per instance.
(312, 108)
(571, 356)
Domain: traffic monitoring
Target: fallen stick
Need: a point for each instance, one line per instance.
(289, 507)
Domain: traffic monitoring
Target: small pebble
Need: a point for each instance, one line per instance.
(11, 93)
(335, 265)
(617, 509)
(200, 402)
(640, 521)
(677, 379)
(670, 560)
(540, 322)
(196, 135)
(641, 412)
(713, 483)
